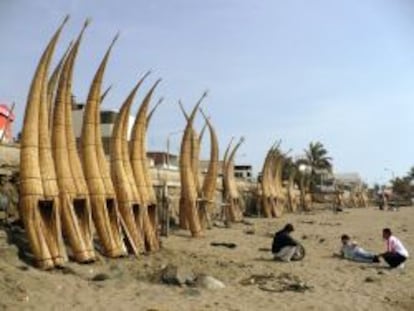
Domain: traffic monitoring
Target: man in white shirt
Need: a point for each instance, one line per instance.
(396, 253)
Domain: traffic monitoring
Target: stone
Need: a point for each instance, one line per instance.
(100, 277)
(177, 275)
(209, 282)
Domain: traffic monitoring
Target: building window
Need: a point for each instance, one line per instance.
(108, 117)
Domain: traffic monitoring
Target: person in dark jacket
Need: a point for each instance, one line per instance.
(284, 247)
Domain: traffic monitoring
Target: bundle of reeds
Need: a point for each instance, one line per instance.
(225, 204)
(105, 211)
(189, 193)
(210, 180)
(141, 173)
(292, 193)
(233, 200)
(196, 140)
(53, 83)
(39, 202)
(73, 193)
(273, 195)
(278, 191)
(105, 93)
(363, 198)
(267, 200)
(121, 172)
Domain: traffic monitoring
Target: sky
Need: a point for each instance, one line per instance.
(340, 72)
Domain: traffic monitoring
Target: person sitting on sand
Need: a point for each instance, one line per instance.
(350, 250)
(396, 253)
(284, 247)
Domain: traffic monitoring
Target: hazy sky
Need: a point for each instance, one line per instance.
(341, 72)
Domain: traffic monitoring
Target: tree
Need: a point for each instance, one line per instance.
(289, 167)
(401, 186)
(317, 157)
(318, 160)
(410, 174)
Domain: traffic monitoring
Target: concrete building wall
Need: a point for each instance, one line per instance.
(108, 118)
(9, 155)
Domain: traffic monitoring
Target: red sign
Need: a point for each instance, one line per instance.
(5, 112)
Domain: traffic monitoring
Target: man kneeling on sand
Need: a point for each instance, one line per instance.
(350, 250)
(284, 247)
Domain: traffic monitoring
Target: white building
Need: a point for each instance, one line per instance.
(108, 118)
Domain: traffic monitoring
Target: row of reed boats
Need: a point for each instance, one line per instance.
(70, 196)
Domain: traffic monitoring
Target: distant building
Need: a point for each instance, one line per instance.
(6, 120)
(240, 171)
(203, 167)
(351, 179)
(243, 171)
(161, 159)
(108, 118)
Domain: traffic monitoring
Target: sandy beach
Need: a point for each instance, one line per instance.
(129, 283)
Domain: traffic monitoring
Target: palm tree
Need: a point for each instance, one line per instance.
(318, 160)
(317, 157)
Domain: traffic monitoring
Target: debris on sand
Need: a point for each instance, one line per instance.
(257, 279)
(100, 277)
(277, 284)
(250, 231)
(224, 244)
(370, 279)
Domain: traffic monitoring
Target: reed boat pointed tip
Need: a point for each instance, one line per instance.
(115, 39)
(160, 101)
(146, 74)
(65, 20)
(70, 45)
(154, 87)
(87, 22)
